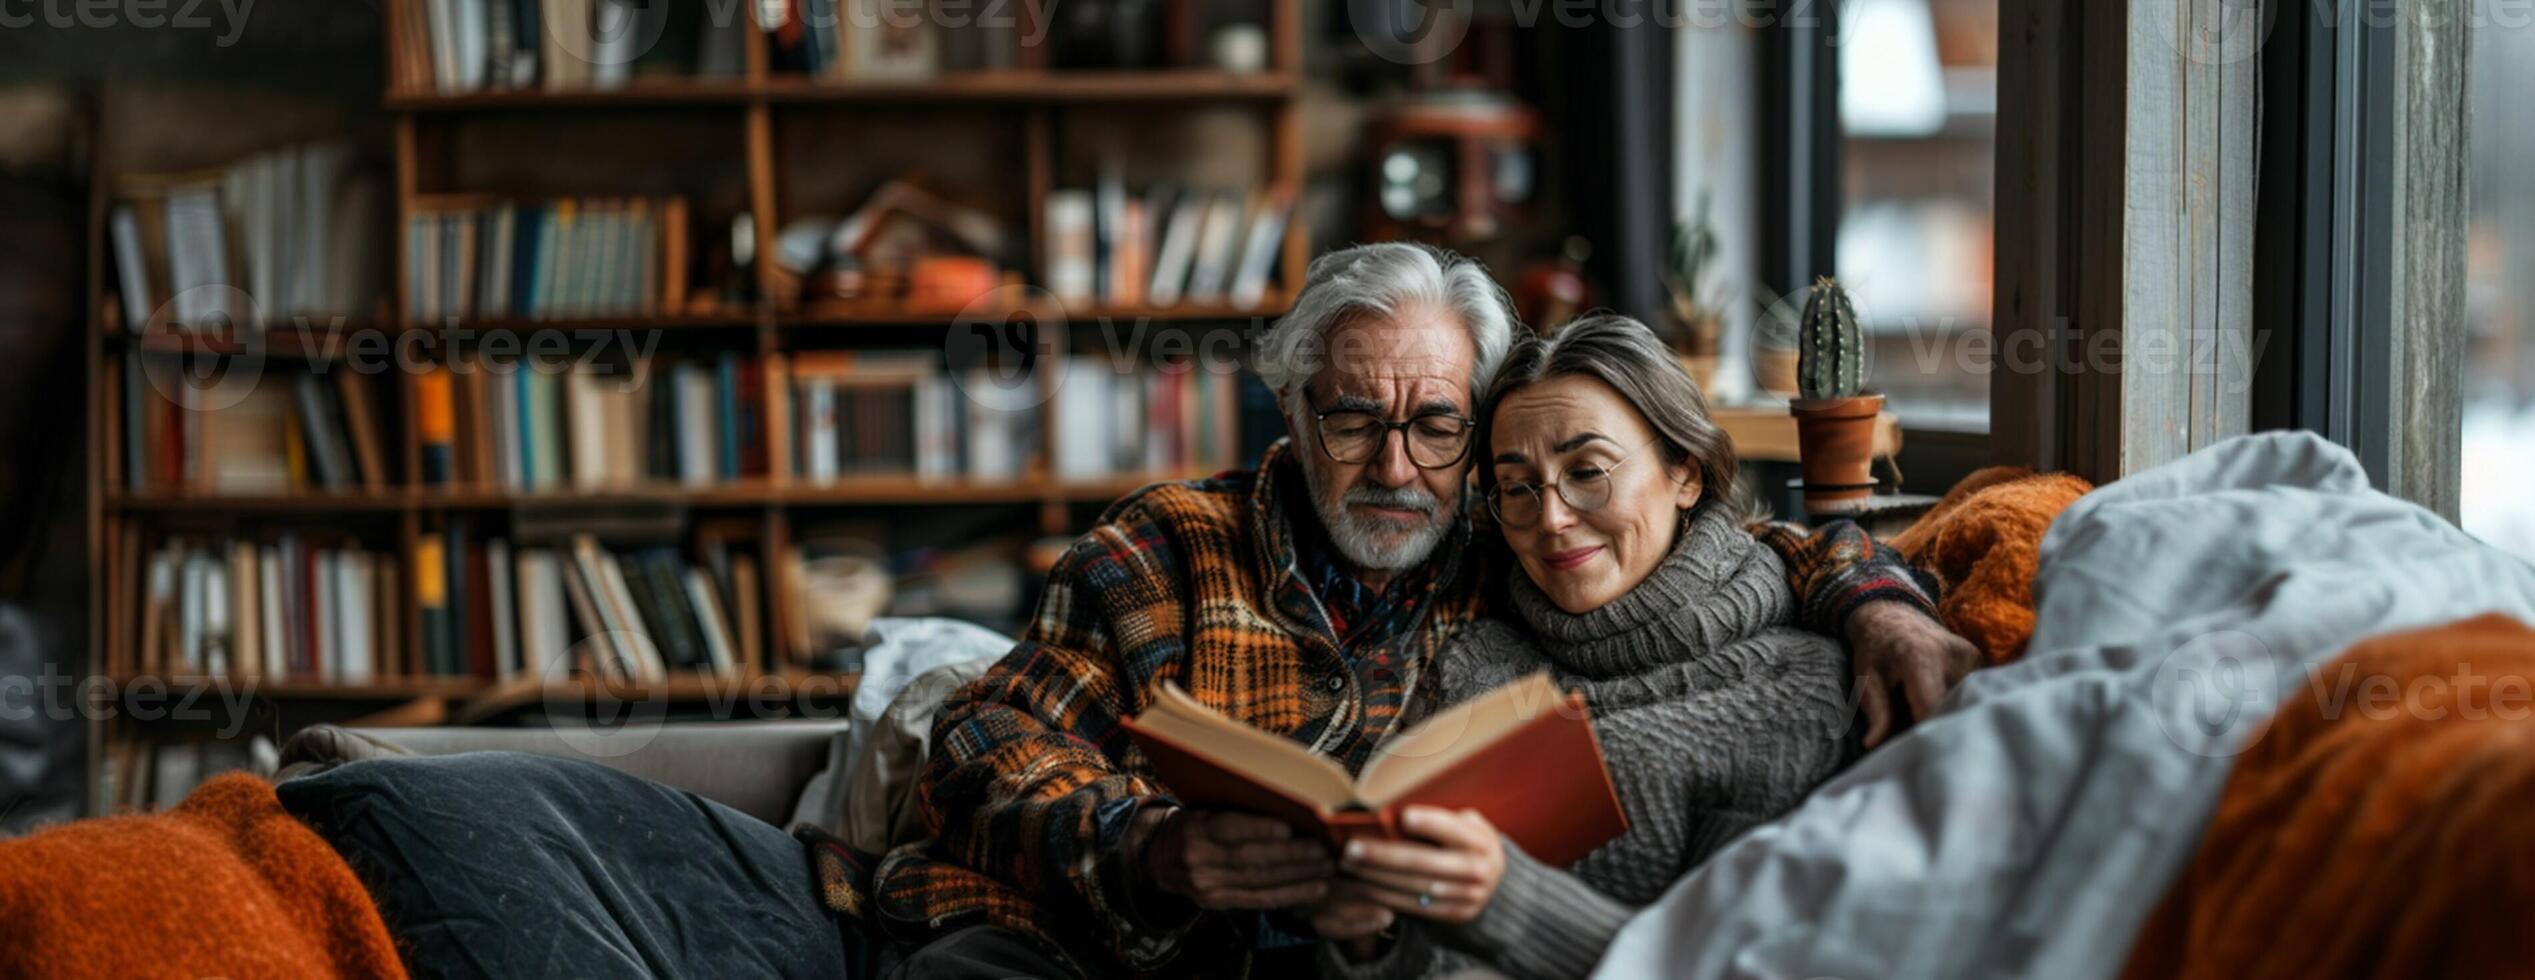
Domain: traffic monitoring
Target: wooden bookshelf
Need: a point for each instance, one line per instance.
(428, 138)
(1047, 87)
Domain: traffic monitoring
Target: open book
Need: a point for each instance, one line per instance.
(1521, 755)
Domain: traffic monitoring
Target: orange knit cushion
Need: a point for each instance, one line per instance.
(226, 884)
(1983, 541)
(2378, 827)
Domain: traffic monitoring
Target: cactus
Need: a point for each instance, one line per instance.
(1830, 352)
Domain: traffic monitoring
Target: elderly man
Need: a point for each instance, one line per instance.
(1306, 598)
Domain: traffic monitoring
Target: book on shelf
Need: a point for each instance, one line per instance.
(1161, 246)
(875, 40)
(1218, 240)
(288, 234)
(1523, 755)
(289, 432)
(283, 608)
(565, 258)
(458, 46)
(1113, 419)
(702, 420)
(502, 610)
(900, 413)
(523, 426)
(647, 613)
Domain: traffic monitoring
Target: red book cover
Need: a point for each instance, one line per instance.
(479, 624)
(1523, 756)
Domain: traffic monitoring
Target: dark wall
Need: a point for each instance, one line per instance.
(43, 520)
(307, 46)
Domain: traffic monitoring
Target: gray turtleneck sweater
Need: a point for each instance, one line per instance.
(1714, 714)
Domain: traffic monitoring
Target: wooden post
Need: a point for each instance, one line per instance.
(2125, 207)
(2431, 103)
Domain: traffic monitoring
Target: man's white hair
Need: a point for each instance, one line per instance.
(1385, 279)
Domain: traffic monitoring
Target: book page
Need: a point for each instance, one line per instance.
(1266, 759)
(1454, 734)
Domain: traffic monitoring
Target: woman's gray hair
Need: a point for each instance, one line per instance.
(1384, 279)
(1621, 352)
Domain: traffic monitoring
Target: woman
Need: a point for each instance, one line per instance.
(1640, 589)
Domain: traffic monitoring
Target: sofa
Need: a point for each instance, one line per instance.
(757, 768)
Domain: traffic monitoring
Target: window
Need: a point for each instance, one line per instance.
(1863, 147)
(1917, 105)
(2496, 501)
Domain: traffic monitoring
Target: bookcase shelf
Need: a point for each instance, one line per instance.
(853, 315)
(480, 699)
(859, 490)
(394, 688)
(322, 502)
(1018, 86)
(763, 145)
(638, 94)
(1053, 87)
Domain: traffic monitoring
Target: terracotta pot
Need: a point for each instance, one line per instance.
(1836, 437)
(1702, 369)
(1774, 369)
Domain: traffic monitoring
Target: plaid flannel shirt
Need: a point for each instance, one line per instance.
(1032, 782)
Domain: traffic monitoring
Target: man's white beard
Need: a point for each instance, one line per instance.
(1377, 545)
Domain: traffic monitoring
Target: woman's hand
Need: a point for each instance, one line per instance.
(1449, 874)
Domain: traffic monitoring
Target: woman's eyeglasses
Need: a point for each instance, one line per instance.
(1585, 489)
(1435, 441)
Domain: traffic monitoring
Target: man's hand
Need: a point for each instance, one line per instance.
(1220, 860)
(1895, 644)
(1350, 918)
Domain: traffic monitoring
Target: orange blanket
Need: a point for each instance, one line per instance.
(226, 884)
(1983, 542)
(2383, 825)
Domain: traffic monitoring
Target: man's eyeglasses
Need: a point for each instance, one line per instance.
(1585, 489)
(1435, 441)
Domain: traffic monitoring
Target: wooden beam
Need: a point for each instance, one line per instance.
(2431, 103)
(2032, 293)
(2124, 236)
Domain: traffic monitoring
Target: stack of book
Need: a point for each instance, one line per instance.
(901, 413)
(291, 233)
(566, 258)
(285, 608)
(526, 427)
(547, 611)
(289, 432)
(454, 46)
(703, 420)
(1163, 246)
(1113, 420)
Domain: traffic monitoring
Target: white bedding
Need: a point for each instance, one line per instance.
(2030, 827)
